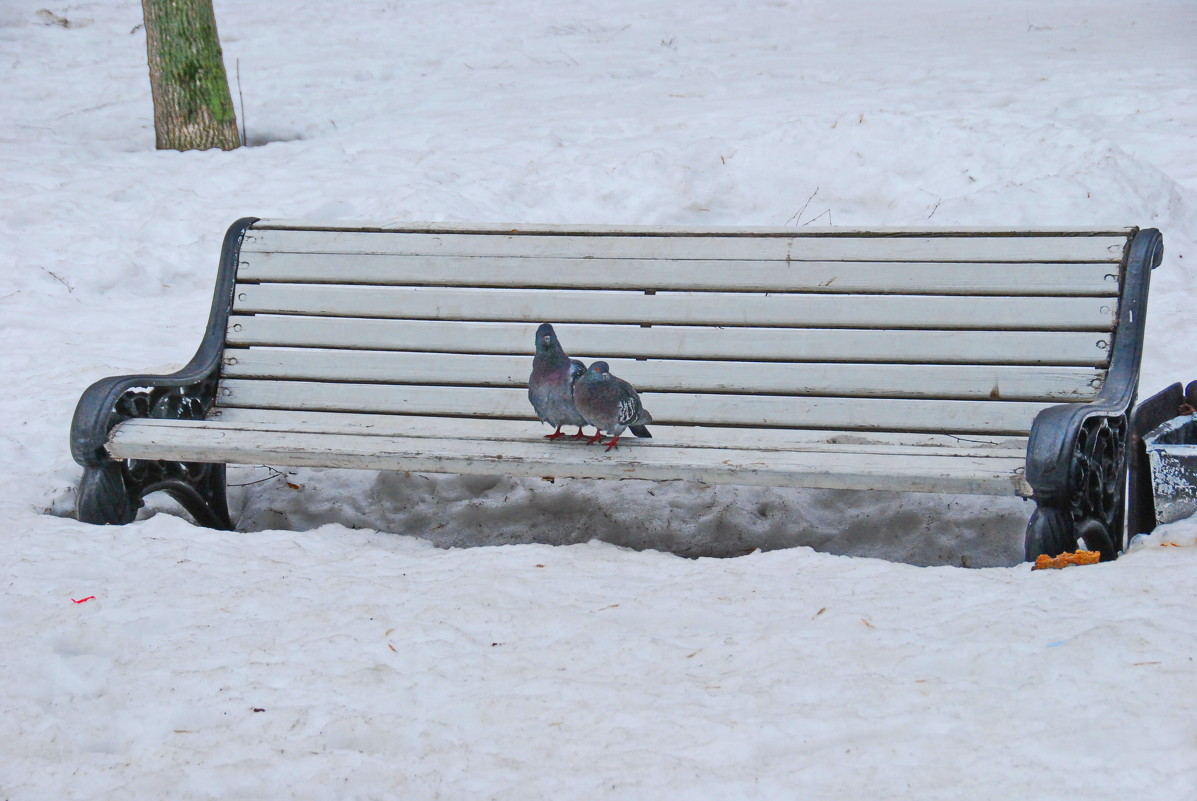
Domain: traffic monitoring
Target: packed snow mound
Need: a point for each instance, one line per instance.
(685, 518)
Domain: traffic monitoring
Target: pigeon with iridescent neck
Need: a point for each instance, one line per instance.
(550, 387)
(610, 404)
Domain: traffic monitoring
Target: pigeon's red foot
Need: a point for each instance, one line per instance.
(613, 443)
(598, 437)
(579, 435)
(555, 435)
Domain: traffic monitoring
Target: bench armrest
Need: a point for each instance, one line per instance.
(110, 401)
(188, 393)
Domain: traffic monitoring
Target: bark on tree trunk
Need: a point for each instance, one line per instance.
(193, 109)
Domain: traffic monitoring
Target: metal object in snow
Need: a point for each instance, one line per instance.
(1172, 453)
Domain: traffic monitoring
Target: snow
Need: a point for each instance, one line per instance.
(418, 636)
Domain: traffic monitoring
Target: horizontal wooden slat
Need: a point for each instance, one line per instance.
(772, 245)
(908, 470)
(760, 438)
(680, 342)
(682, 308)
(700, 274)
(955, 416)
(459, 227)
(867, 380)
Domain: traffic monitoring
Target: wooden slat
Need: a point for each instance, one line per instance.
(459, 227)
(904, 471)
(682, 308)
(623, 341)
(872, 380)
(784, 246)
(385, 425)
(700, 274)
(955, 416)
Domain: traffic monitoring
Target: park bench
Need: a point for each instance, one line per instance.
(997, 362)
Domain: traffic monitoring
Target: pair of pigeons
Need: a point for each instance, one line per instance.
(564, 392)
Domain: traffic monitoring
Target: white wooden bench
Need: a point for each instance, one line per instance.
(953, 361)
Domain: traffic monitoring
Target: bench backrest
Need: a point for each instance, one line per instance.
(895, 330)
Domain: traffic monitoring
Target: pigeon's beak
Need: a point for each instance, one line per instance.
(548, 340)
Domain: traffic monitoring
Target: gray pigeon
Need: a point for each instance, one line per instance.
(610, 404)
(550, 387)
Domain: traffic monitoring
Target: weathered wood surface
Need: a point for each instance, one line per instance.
(683, 308)
(899, 470)
(805, 231)
(865, 414)
(930, 278)
(1080, 348)
(699, 436)
(991, 382)
(782, 246)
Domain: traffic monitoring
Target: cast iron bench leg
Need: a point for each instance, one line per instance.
(1086, 494)
(113, 492)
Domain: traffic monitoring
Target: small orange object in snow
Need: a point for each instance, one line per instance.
(83, 600)
(1044, 562)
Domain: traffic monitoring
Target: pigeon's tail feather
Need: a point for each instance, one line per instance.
(640, 431)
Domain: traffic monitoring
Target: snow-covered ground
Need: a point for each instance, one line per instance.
(346, 643)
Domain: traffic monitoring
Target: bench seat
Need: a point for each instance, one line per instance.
(832, 460)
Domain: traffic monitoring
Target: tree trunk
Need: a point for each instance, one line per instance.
(192, 106)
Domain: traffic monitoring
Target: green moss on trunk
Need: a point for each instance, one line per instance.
(192, 105)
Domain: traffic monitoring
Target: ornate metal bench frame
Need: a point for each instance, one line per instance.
(1079, 455)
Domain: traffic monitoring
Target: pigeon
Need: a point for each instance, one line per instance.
(609, 404)
(550, 387)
